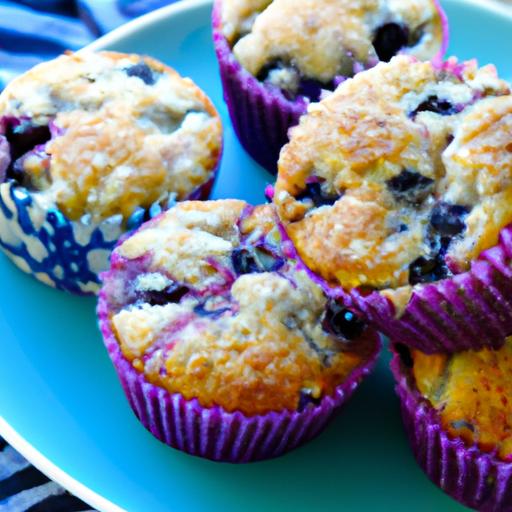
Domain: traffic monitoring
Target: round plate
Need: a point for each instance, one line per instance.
(62, 406)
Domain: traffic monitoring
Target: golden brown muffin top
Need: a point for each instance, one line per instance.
(205, 304)
(402, 176)
(112, 132)
(322, 39)
(472, 391)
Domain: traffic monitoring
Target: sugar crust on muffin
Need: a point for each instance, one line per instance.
(402, 176)
(116, 132)
(205, 304)
(471, 391)
(295, 39)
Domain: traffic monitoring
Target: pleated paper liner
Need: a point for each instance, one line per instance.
(474, 478)
(214, 433)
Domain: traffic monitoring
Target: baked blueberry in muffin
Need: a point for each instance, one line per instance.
(399, 179)
(458, 416)
(277, 56)
(202, 304)
(91, 145)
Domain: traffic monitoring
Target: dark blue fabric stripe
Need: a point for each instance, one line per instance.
(30, 478)
(24, 479)
(62, 503)
(23, 29)
(103, 16)
(35, 30)
(27, 37)
(134, 8)
(100, 17)
(57, 6)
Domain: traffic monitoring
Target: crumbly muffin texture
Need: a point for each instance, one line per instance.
(402, 176)
(472, 392)
(104, 133)
(204, 303)
(288, 42)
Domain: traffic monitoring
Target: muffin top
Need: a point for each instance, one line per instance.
(402, 176)
(104, 133)
(472, 392)
(288, 42)
(203, 302)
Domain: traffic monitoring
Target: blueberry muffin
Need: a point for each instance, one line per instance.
(201, 309)
(458, 416)
(92, 144)
(393, 188)
(276, 56)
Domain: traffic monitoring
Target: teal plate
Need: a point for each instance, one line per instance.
(62, 406)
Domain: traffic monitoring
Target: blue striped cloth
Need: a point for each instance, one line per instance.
(32, 31)
(24, 489)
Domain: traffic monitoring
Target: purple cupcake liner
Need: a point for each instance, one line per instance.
(468, 311)
(203, 192)
(212, 432)
(261, 115)
(474, 478)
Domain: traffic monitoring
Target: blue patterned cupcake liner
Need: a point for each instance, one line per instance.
(62, 253)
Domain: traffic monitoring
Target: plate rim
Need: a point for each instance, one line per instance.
(53, 472)
(496, 6)
(10, 434)
(147, 19)
(14, 438)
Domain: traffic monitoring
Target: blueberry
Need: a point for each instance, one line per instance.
(410, 186)
(341, 322)
(315, 193)
(448, 219)
(247, 261)
(460, 424)
(436, 105)
(428, 269)
(143, 71)
(243, 261)
(201, 310)
(24, 136)
(389, 40)
(288, 82)
(295, 83)
(265, 71)
(306, 399)
(312, 89)
(267, 261)
(171, 294)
